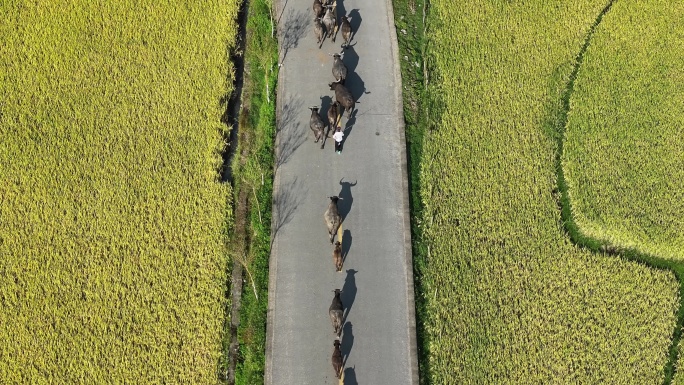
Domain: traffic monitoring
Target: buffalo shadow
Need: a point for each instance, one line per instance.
(347, 342)
(295, 27)
(351, 60)
(349, 376)
(346, 245)
(341, 11)
(353, 81)
(326, 102)
(286, 200)
(355, 21)
(348, 292)
(290, 134)
(354, 84)
(346, 199)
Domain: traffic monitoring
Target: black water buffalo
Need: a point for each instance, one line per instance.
(316, 124)
(346, 31)
(336, 312)
(318, 30)
(344, 97)
(333, 115)
(339, 70)
(332, 217)
(337, 362)
(318, 9)
(337, 256)
(330, 22)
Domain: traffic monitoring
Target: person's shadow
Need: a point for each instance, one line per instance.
(348, 292)
(350, 376)
(346, 245)
(346, 199)
(347, 342)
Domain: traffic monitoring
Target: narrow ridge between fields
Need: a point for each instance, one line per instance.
(603, 246)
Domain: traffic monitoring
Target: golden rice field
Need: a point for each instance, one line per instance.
(624, 143)
(509, 299)
(678, 378)
(112, 220)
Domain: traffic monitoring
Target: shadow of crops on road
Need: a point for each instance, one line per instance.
(285, 203)
(295, 27)
(290, 134)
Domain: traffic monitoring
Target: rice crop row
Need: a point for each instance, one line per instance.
(112, 221)
(678, 378)
(624, 155)
(507, 297)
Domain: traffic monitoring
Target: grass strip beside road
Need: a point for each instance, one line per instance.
(409, 22)
(254, 180)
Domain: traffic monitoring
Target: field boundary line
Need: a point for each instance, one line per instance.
(279, 8)
(597, 245)
(406, 214)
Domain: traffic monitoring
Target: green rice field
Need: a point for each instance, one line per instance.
(507, 298)
(624, 149)
(678, 378)
(112, 220)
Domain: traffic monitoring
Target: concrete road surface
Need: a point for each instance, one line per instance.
(378, 340)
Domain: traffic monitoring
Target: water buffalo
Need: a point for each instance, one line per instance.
(333, 4)
(337, 359)
(318, 9)
(339, 70)
(346, 31)
(336, 312)
(316, 124)
(337, 256)
(343, 96)
(318, 30)
(333, 115)
(330, 22)
(332, 217)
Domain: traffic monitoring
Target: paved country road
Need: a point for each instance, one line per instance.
(378, 340)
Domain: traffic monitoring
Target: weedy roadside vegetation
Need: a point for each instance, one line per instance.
(112, 219)
(504, 296)
(409, 19)
(253, 170)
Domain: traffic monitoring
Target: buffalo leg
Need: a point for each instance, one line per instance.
(325, 137)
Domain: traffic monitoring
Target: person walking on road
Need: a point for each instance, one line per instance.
(338, 135)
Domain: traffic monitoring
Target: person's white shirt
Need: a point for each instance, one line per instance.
(338, 135)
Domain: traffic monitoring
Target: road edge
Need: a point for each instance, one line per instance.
(273, 261)
(408, 255)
